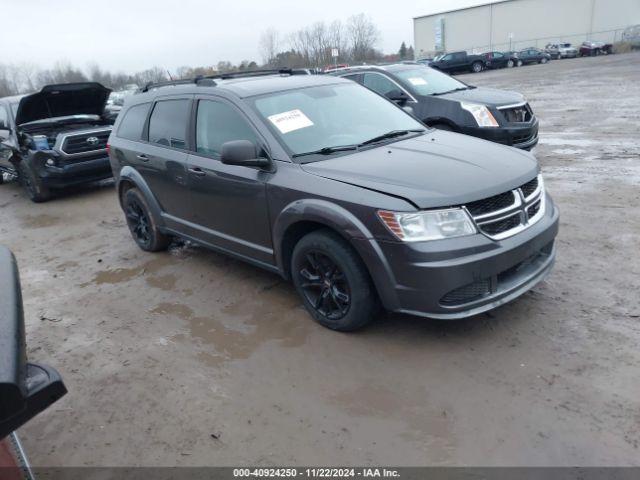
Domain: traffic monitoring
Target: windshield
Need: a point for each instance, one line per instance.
(427, 81)
(314, 118)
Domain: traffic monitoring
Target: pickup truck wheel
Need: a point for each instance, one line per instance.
(510, 64)
(37, 192)
(141, 224)
(333, 282)
(476, 67)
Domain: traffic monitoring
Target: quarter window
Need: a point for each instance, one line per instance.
(168, 123)
(379, 83)
(133, 122)
(217, 123)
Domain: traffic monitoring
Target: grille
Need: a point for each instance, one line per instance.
(533, 209)
(75, 144)
(519, 114)
(467, 293)
(500, 226)
(529, 187)
(491, 204)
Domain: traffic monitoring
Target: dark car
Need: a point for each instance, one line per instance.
(533, 55)
(443, 102)
(55, 138)
(331, 185)
(591, 49)
(26, 389)
(501, 60)
(459, 62)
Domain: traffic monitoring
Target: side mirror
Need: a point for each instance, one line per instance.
(26, 389)
(243, 153)
(397, 96)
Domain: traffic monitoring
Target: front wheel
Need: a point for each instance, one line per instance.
(333, 282)
(141, 223)
(543, 60)
(476, 67)
(510, 64)
(519, 64)
(37, 192)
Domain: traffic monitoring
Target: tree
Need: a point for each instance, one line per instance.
(269, 42)
(363, 36)
(403, 51)
(410, 53)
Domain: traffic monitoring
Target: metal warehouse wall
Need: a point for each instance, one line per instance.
(531, 23)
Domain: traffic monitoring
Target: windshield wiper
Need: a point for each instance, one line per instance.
(327, 150)
(451, 91)
(391, 134)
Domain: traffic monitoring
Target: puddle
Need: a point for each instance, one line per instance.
(124, 274)
(275, 314)
(163, 282)
(39, 221)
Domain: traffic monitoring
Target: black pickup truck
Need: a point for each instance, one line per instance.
(459, 62)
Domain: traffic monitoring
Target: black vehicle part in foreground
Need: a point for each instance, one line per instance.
(338, 189)
(56, 137)
(446, 103)
(26, 389)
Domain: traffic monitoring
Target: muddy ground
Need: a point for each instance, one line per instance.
(191, 358)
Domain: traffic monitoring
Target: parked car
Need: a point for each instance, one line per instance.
(115, 102)
(591, 49)
(26, 389)
(55, 138)
(446, 103)
(459, 62)
(533, 55)
(501, 60)
(632, 36)
(331, 185)
(561, 50)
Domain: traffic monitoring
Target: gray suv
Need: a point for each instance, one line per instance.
(331, 185)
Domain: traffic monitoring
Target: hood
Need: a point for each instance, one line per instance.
(87, 98)
(487, 96)
(437, 169)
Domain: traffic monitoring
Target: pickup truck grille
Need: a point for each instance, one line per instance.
(518, 113)
(85, 142)
(508, 213)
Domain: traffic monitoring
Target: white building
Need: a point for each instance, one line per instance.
(517, 24)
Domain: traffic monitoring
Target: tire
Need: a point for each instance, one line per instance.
(141, 223)
(519, 63)
(543, 60)
(510, 64)
(333, 282)
(476, 67)
(36, 191)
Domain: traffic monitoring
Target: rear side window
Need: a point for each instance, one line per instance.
(168, 123)
(218, 123)
(133, 122)
(379, 83)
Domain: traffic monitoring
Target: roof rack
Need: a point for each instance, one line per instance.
(210, 82)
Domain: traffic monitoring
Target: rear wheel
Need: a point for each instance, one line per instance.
(519, 64)
(543, 60)
(141, 224)
(333, 282)
(510, 63)
(476, 67)
(32, 184)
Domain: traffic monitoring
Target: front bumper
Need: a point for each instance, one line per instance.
(465, 276)
(66, 174)
(523, 136)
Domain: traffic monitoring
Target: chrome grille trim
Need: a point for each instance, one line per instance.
(520, 207)
(63, 137)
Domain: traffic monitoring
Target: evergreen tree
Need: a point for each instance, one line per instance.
(403, 51)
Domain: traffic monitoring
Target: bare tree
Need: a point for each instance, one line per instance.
(363, 37)
(268, 47)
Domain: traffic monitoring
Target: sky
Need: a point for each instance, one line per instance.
(133, 35)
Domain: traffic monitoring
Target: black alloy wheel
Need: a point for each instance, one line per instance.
(325, 285)
(141, 223)
(138, 223)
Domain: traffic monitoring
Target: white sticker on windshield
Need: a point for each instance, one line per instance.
(289, 121)
(417, 81)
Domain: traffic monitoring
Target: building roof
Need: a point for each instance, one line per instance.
(484, 4)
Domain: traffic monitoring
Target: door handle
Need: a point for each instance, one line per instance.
(142, 157)
(197, 171)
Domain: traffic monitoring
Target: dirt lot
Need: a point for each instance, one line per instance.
(191, 358)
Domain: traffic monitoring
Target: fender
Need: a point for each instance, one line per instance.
(349, 227)
(130, 174)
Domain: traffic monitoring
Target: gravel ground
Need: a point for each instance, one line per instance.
(192, 358)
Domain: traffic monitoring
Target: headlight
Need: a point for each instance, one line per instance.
(428, 225)
(481, 113)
